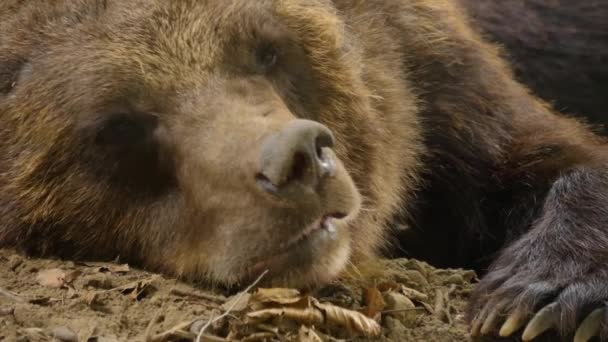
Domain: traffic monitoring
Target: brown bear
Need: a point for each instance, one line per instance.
(215, 140)
(558, 48)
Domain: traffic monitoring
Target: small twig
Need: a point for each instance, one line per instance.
(439, 308)
(211, 298)
(452, 289)
(402, 310)
(11, 296)
(229, 309)
(177, 330)
(442, 306)
(132, 284)
(261, 336)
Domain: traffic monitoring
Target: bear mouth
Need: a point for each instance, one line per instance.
(325, 223)
(302, 246)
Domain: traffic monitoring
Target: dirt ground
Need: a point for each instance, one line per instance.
(52, 300)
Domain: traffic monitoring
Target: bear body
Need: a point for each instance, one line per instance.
(213, 140)
(558, 48)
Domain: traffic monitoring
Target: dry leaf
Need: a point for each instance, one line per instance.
(70, 276)
(102, 269)
(308, 316)
(374, 303)
(238, 302)
(71, 293)
(197, 296)
(113, 269)
(53, 278)
(307, 334)
(414, 294)
(319, 314)
(43, 301)
(388, 286)
(120, 268)
(263, 336)
(277, 296)
(268, 328)
(139, 289)
(91, 298)
(352, 321)
(211, 338)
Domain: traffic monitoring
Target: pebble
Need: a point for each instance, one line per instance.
(405, 309)
(64, 334)
(196, 327)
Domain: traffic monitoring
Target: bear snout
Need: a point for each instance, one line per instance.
(294, 157)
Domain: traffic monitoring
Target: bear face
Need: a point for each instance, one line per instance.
(170, 134)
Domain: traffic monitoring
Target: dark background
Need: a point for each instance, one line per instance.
(559, 48)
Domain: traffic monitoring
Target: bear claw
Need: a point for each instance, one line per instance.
(590, 327)
(514, 322)
(491, 320)
(544, 320)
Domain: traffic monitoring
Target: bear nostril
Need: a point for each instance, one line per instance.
(266, 184)
(325, 139)
(297, 155)
(299, 167)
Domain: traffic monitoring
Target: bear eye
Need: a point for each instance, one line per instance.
(267, 57)
(123, 129)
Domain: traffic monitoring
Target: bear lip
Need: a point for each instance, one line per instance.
(325, 223)
(315, 226)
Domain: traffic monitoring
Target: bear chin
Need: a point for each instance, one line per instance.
(313, 260)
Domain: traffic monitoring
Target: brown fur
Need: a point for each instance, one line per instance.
(430, 126)
(558, 48)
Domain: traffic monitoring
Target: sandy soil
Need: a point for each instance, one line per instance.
(51, 300)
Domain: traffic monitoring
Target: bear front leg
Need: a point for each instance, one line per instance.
(555, 277)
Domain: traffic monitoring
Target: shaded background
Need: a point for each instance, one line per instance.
(559, 48)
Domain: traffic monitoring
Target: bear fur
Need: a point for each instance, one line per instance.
(558, 48)
(134, 129)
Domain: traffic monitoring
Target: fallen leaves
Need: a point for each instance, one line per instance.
(308, 335)
(280, 307)
(138, 289)
(274, 314)
(57, 278)
(237, 303)
(277, 296)
(372, 297)
(345, 311)
(354, 322)
(308, 316)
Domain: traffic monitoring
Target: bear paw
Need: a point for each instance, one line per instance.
(509, 302)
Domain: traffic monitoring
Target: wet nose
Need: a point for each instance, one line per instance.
(296, 156)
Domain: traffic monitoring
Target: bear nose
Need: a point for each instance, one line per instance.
(295, 156)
